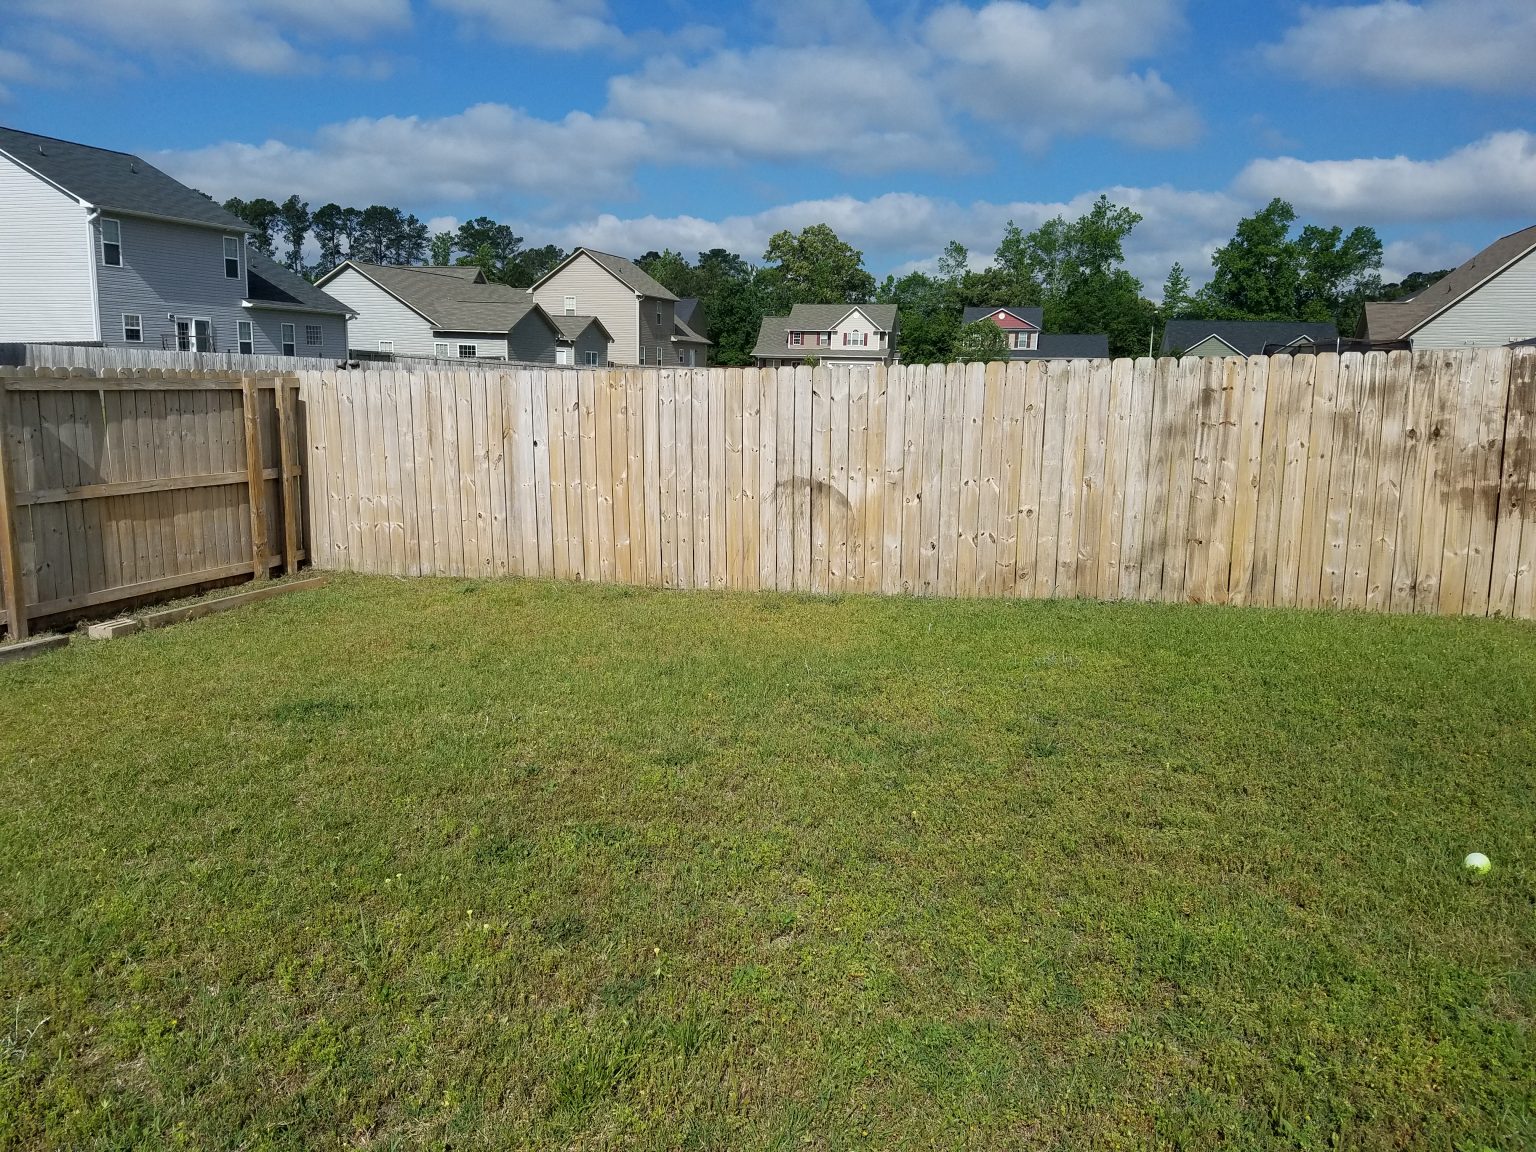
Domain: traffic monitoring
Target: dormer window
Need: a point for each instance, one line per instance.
(797, 339)
(1024, 340)
(111, 243)
(232, 257)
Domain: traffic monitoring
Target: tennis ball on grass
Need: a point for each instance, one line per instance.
(1477, 862)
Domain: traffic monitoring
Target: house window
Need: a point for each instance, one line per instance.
(231, 258)
(856, 339)
(440, 348)
(797, 339)
(658, 313)
(565, 354)
(591, 359)
(468, 351)
(133, 328)
(290, 341)
(570, 305)
(642, 355)
(111, 243)
(660, 355)
(247, 345)
(314, 335)
(386, 345)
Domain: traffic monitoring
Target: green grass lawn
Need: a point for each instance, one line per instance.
(449, 865)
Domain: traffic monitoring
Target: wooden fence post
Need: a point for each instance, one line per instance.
(286, 435)
(255, 481)
(10, 554)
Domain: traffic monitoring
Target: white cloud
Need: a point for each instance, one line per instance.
(1063, 68)
(1484, 45)
(1427, 253)
(773, 103)
(1494, 177)
(481, 155)
(568, 25)
(262, 36)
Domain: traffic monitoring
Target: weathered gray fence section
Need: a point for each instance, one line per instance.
(138, 483)
(1382, 482)
(99, 358)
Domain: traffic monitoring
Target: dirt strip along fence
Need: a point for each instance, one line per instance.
(1388, 482)
(142, 483)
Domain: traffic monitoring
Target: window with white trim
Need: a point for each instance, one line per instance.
(133, 328)
(111, 243)
(314, 336)
(591, 359)
(661, 355)
(797, 339)
(564, 354)
(570, 305)
(658, 313)
(231, 258)
(386, 345)
(290, 341)
(440, 348)
(468, 351)
(246, 338)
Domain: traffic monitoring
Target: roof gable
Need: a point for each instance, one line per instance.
(114, 181)
(451, 298)
(1244, 337)
(1395, 319)
(626, 272)
(826, 317)
(269, 282)
(1022, 317)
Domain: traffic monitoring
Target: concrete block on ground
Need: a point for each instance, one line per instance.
(25, 649)
(108, 629)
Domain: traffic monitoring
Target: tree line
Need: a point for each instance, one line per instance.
(1073, 269)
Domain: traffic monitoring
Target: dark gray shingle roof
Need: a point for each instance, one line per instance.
(1068, 346)
(270, 283)
(1033, 315)
(1392, 320)
(1248, 337)
(116, 181)
(689, 311)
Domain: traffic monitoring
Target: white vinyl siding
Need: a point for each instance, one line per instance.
(47, 263)
(857, 331)
(1501, 311)
(603, 295)
(380, 316)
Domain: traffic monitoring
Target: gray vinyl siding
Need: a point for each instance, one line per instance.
(46, 293)
(379, 316)
(1499, 312)
(167, 268)
(267, 333)
(532, 340)
(598, 293)
(654, 335)
(592, 340)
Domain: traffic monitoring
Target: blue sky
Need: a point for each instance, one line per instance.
(679, 123)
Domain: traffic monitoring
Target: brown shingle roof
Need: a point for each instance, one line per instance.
(1392, 320)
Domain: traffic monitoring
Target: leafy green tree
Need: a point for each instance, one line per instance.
(814, 266)
(1177, 299)
(671, 269)
(442, 249)
(334, 228)
(1339, 273)
(493, 247)
(981, 342)
(531, 265)
(929, 314)
(1016, 270)
(261, 214)
(293, 221)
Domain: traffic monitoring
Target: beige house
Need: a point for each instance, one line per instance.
(841, 333)
(632, 305)
(1490, 301)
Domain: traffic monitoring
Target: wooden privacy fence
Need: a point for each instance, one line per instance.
(118, 487)
(1385, 482)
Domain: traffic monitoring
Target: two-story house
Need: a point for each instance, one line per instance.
(99, 247)
(1028, 340)
(454, 312)
(845, 333)
(632, 305)
(1489, 301)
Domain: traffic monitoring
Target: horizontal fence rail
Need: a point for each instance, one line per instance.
(1390, 482)
(139, 483)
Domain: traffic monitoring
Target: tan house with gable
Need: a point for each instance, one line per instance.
(841, 333)
(633, 306)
